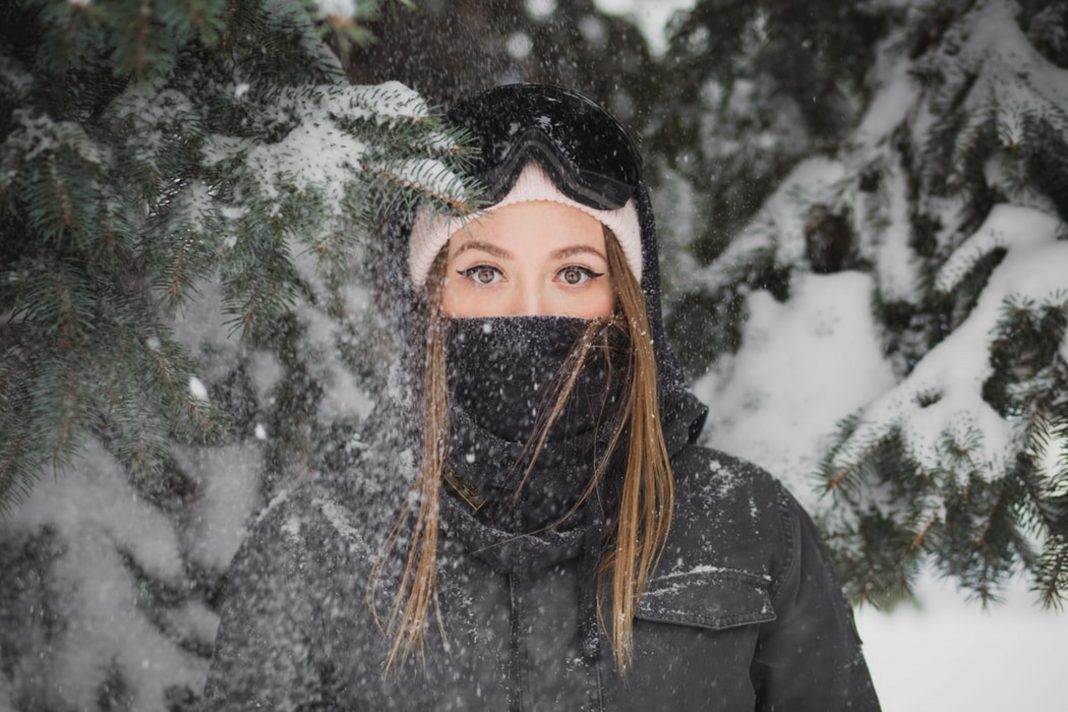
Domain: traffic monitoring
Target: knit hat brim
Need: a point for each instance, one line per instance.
(432, 230)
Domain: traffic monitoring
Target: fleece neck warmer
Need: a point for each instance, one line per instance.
(501, 374)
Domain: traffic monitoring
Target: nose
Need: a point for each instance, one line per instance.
(530, 301)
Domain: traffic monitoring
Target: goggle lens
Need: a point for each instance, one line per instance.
(585, 150)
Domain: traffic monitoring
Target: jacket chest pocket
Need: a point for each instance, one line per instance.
(715, 599)
(695, 634)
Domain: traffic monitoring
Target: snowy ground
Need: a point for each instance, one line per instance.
(952, 656)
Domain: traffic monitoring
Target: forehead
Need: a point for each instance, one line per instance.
(532, 224)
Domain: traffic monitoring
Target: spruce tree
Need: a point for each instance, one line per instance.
(746, 92)
(148, 194)
(948, 194)
(965, 462)
(190, 203)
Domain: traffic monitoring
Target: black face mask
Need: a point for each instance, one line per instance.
(500, 369)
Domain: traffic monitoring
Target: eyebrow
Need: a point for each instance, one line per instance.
(562, 254)
(485, 247)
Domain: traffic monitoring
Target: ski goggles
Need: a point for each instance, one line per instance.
(584, 149)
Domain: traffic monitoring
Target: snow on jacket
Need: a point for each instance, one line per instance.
(744, 612)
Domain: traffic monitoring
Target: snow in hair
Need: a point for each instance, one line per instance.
(432, 230)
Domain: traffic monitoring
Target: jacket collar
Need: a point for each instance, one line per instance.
(512, 553)
(478, 456)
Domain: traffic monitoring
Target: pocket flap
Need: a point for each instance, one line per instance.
(708, 597)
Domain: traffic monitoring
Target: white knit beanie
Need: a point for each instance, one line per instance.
(432, 230)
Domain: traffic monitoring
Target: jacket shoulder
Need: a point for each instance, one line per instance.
(292, 568)
(712, 475)
(730, 515)
(313, 524)
(742, 551)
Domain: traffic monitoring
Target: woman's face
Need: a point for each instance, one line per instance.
(535, 258)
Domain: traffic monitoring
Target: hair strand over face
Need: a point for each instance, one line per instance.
(645, 503)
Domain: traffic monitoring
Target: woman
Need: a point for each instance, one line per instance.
(529, 524)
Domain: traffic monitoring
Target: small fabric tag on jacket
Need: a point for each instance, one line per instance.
(467, 491)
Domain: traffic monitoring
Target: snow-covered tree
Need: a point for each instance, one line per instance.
(925, 259)
(862, 207)
(189, 192)
(748, 90)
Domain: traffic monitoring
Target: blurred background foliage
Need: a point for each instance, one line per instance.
(785, 143)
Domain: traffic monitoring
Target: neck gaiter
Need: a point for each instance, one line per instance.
(502, 372)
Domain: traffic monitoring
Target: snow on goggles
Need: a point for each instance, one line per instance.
(585, 150)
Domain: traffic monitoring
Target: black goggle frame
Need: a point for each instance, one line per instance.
(588, 154)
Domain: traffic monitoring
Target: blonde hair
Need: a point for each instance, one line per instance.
(648, 493)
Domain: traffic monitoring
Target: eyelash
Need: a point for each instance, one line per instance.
(470, 272)
(590, 274)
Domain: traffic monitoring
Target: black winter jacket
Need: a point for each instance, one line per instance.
(744, 612)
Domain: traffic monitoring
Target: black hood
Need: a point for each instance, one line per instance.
(390, 438)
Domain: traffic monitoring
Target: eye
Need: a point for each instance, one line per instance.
(482, 274)
(575, 275)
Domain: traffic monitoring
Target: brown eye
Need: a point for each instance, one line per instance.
(574, 275)
(482, 274)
